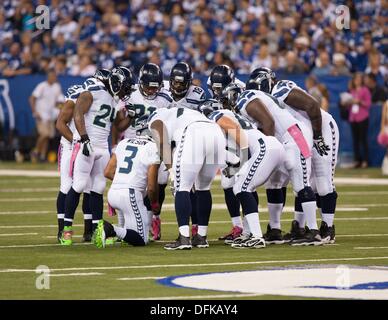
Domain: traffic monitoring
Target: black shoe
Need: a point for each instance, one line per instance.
(310, 238)
(182, 243)
(327, 233)
(199, 241)
(296, 232)
(273, 236)
(87, 237)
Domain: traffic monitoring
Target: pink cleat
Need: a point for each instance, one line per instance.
(233, 234)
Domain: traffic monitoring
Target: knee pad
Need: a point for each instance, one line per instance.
(329, 202)
(306, 195)
(275, 195)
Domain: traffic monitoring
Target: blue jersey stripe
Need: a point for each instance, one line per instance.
(193, 101)
(165, 95)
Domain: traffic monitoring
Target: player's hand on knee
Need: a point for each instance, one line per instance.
(87, 148)
(231, 170)
(321, 147)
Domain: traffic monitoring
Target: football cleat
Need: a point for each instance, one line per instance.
(110, 241)
(237, 241)
(233, 234)
(327, 233)
(251, 242)
(199, 241)
(87, 237)
(156, 228)
(99, 235)
(182, 243)
(310, 238)
(295, 233)
(194, 230)
(273, 236)
(59, 236)
(67, 236)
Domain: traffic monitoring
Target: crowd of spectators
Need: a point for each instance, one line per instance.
(291, 36)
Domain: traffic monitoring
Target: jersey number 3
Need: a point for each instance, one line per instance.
(133, 151)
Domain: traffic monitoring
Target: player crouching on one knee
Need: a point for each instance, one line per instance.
(133, 168)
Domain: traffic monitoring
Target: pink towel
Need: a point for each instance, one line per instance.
(76, 148)
(382, 139)
(300, 140)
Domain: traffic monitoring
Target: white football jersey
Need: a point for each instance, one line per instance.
(102, 112)
(134, 157)
(193, 98)
(282, 117)
(144, 106)
(282, 89)
(72, 94)
(176, 121)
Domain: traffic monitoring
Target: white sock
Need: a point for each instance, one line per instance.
(246, 230)
(300, 217)
(310, 211)
(328, 218)
(120, 232)
(202, 230)
(236, 221)
(150, 215)
(275, 212)
(184, 231)
(254, 224)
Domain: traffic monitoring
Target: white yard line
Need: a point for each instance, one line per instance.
(79, 274)
(37, 226)
(367, 248)
(52, 173)
(199, 265)
(140, 278)
(18, 234)
(216, 296)
(41, 245)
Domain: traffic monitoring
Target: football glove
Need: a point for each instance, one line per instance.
(87, 148)
(231, 170)
(131, 111)
(321, 147)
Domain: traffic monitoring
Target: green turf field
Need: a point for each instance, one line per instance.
(28, 239)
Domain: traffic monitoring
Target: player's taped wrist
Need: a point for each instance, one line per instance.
(84, 138)
(130, 108)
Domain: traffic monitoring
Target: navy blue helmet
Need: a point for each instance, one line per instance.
(102, 74)
(150, 80)
(181, 77)
(122, 82)
(220, 77)
(262, 79)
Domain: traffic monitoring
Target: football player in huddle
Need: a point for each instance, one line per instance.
(94, 113)
(273, 119)
(65, 125)
(133, 168)
(220, 77)
(259, 156)
(200, 153)
(324, 154)
(150, 96)
(186, 95)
